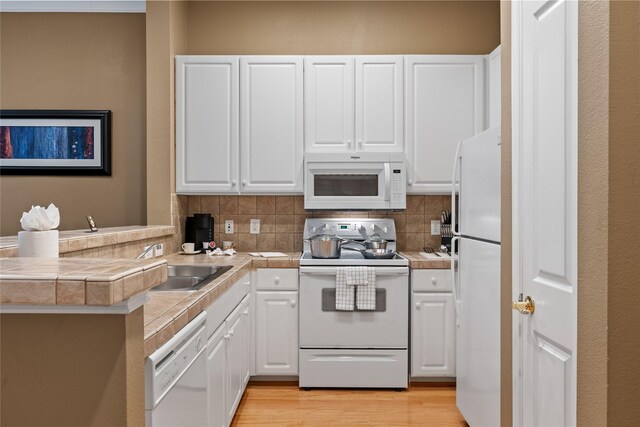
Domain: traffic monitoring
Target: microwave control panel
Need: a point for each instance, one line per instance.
(398, 199)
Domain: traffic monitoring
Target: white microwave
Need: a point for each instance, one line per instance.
(346, 181)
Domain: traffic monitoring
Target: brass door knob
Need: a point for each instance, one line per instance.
(528, 306)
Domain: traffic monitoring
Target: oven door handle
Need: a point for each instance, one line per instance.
(331, 271)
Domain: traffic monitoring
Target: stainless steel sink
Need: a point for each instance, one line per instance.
(195, 270)
(190, 277)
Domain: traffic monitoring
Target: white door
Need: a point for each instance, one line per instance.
(271, 124)
(444, 105)
(217, 378)
(328, 103)
(432, 334)
(379, 103)
(206, 124)
(277, 333)
(545, 42)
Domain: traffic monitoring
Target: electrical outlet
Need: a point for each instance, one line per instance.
(159, 250)
(228, 226)
(148, 254)
(254, 226)
(435, 228)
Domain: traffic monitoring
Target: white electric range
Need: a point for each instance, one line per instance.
(359, 348)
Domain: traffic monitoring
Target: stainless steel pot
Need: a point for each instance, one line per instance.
(375, 242)
(326, 245)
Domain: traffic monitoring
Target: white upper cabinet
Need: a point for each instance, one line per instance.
(206, 124)
(271, 124)
(444, 104)
(379, 99)
(353, 103)
(328, 109)
(493, 88)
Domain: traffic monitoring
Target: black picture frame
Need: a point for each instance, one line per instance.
(96, 123)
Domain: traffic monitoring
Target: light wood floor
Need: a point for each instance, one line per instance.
(284, 404)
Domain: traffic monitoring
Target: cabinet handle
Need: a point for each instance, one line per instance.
(233, 183)
(417, 306)
(360, 143)
(246, 312)
(293, 303)
(277, 280)
(230, 333)
(409, 182)
(226, 337)
(349, 144)
(434, 281)
(244, 183)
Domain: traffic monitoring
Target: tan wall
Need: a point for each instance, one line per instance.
(593, 237)
(72, 370)
(343, 27)
(166, 37)
(78, 61)
(506, 280)
(624, 214)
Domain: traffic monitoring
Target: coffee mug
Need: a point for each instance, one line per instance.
(188, 247)
(228, 245)
(205, 245)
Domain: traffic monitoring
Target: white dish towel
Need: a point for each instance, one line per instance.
(345, 297)
(355, 288)
(366, 288)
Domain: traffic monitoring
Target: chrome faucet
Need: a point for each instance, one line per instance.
(146, 251)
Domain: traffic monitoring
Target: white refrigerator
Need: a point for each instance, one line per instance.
(478, 280)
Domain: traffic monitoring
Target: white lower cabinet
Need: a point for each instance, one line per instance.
(277, 333)
(433, 325)
(229, 353)
(217, 377)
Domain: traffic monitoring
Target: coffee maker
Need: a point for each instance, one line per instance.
(199, 229)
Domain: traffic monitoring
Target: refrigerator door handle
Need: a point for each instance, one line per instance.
(456, 162)
(456, 301)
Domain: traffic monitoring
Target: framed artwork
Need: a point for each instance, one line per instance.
(55, 142)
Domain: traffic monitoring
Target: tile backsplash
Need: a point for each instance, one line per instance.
(282, 220)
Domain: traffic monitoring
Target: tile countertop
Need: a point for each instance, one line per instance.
(167, 312)
(77, 281)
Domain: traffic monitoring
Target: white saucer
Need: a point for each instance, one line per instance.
(189, 253)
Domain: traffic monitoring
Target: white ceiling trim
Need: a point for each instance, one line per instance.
(106, 6)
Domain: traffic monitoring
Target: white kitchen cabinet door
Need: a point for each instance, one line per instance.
(235, 375)
(432, 335)
(217, 378)
(329, 103)
(271, 124)
(444, 105)
(277, 333)
(494, 90)
(379, 103)
(247, 348)
(207, 124)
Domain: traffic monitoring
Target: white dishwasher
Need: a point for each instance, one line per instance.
(176, 380)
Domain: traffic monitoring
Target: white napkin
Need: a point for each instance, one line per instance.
(40, 219)
(218, 252)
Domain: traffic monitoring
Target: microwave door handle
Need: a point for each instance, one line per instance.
(387, 181)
